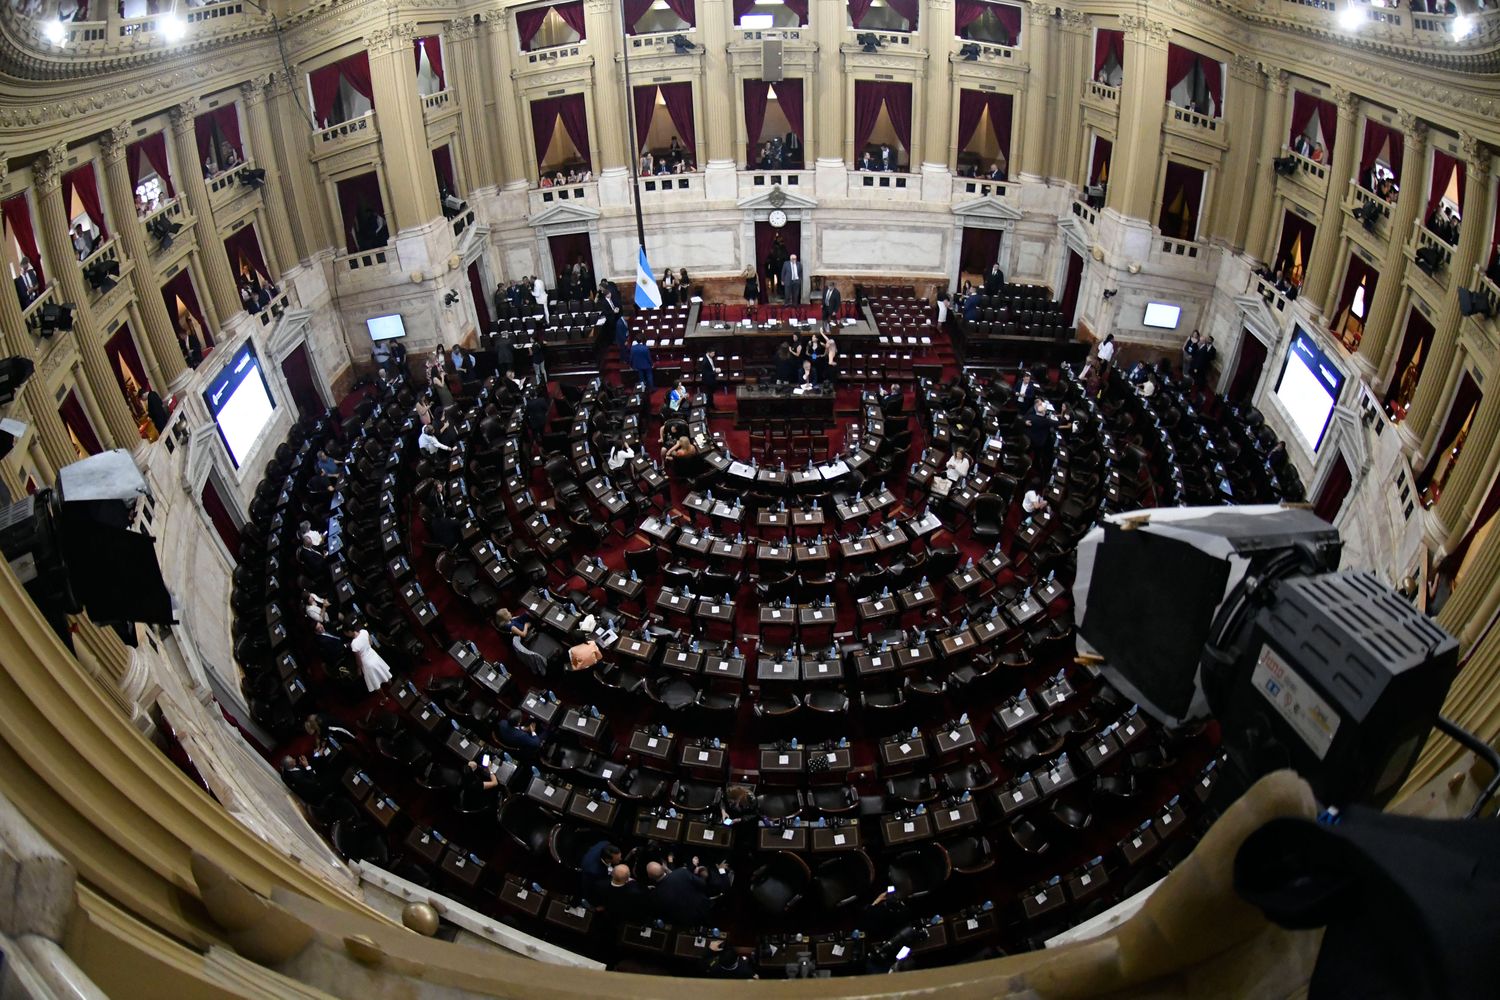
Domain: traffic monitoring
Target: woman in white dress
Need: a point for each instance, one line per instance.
(377, 672)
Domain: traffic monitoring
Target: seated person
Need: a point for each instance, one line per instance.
(957, 467)
(519, 733)
(677, 397)
(739, 805)
(683, 447)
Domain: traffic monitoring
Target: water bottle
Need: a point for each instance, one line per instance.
(794, 742)
(671, 814)
(661, 730)
(987, 905)
(921, 809)
(536, 772)
(734, 653)
(536, 887)
(827, 600)
(963, 720)
(843, 742)
(915, 732)
(963, 624)
(593, 712)
(633, 577)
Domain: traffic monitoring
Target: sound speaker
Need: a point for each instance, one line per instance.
(770, 60)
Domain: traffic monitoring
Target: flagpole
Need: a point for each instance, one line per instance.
(633, 157)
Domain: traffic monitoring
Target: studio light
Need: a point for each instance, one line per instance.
(253, 177)
(970, 52)
(869, 41)
(1463, 26)
(1429, 260)
(172, 28)
(162, 229)
(1285, 165)
(14, 371)
(1367, 213)
(54, 317)
(1351, 18)
(1472, 303)
(683, 44)
(101, 274)
(55, 33)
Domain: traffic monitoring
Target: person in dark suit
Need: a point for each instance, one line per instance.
(971, 306)
(624, 899)
(298, 775)
(28, 283)
(708, 375)
(791, 280)
(994, 279)
(155, 408)
(505, 355)
(831, 302)
(680, 895)
(640, 360)
(887, 158)
(594, 870)
(1041, 428)
(313, 562)
(1025, 393)
(331, 648)
(516, 732)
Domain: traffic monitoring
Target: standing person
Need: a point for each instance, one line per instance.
(775, 257)
(831, 302)
(640, 360)
(791, 281)
(622, 339)
(505, 354)
(752, 287)
(1107, 351)
(708, 375)
(994, 280)
(155, 408)
(1190, 351)
(1203, 361)
(538, 361)
(539, 294)
(668, 286)
(372, 665)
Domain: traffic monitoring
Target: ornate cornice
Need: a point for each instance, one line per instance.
(1037, 15)
(4, 169)
(47, 169)
(1278, 80)
(113, 142)
(391, 38)
(182, 114)
(1476, 156)
(1413, 128)
(605, 8)
(1245, 69)
(1347, 101)
(253, 90)
(459, 29)
(1144, 29)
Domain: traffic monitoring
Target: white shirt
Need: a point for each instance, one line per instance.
(1033, 502)
(313, 537)
(619, 459)
(430, 444)
(942, 311)
(1107, 351)
(539, 291)
(957, 467)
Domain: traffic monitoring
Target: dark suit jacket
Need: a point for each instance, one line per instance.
(787, 277)
(707, 372)
(156, 410)
(831, 301)
(682, 898)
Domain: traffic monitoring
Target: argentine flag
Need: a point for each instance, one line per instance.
(647, 295)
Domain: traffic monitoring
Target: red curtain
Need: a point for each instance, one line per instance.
(979, 249)
(1358, 273)
(228, 120)
(756, 92)
(645, 107)
(543, 121)
(1293, 226)
(434, 46)
(1443, 167)
(528, 23)
(1335, 489)
(16, 211)
(634, 11)
(1377, 136)
(1328, 120)
(1465, 401)
(1180, 63)
(679, 101)
(1213, 80)
(789, 97)
(966, 12)
(154, 149)
(296, 367)
(1106, 43)
(325, 90)
(219, 516)
(243, 247)
(181, 287)
(971, 105)
(1454, 561)
(572, 15)
(798, 7)
(1103, 149)
(574, 114)
(685, 9)
(442, 165)
(476, 292)
(356, 69)
(81, 181)
(1495, 234)
(1187, 182)
(567, 248)
(868, 97)
(1304, 106)
(765, 238)
(71, 411)
(857, 11)
(1419, 334)
(908, 9)
(354, 194)
(121, 347)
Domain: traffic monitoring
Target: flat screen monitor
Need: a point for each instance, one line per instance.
(386, 327)
(1308, 388)
(1163, 315)
(239, 400)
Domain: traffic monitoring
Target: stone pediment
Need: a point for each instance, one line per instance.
(777, 197)
(1258, 314)
(564, 215)
(980, 209)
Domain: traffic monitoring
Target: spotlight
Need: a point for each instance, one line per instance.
(1367, 213)
(452, 206)
(683, 45)
(1284, 165)
(1463, 26)
(253, 177)
(101, 274)
(54, 317)
(1351, 18)
(14, 371)
(162, 229)
(172, 28)
(1472, 303)
(451, 298)
(1429, 260)
(970, 52)
(869, 41)
(55, 33)
(1110, 293)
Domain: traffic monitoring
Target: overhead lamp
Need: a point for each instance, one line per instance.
(1284, 165)
(1472, 303)
(171, 28)
(683, 44)
(869, 41)
(1351, 18)
(101, 274)
(253, 177)
(970, 52)
(1428, 259)
(1463, 26)
(162, 229)
(55, 316)
(55, 32)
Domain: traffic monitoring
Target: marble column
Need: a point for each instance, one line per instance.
(509, 121)
(1259, 230)
(1475, 597)
(1377, 336)
(468, 79)
(1470, 479)
(826, 23)
(192, 189)
(118, 428)
(1036, 130)
(1421, 422)
(1135, 163)
(253, 99)
(1244, 113)
(717, 99)
(410, 182)
(158, 342)
(609, 113)
(938, 93)
(291, 131)
(1075, 47)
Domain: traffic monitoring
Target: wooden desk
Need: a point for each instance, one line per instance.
(703, 758)
(782, 761)
(569, 915)
(591, 810)
(899, 830)
(902, 750)
(552, 795)
(701, 835)
(382, 809)
(730, 667)
(426, 845)
(539, 708)
(465, 867)
(650, 743)
(955, 817)
(827, 839)
(1017, 796)
(662, 829)
(791, 838)
(952, 739)
(789, 669)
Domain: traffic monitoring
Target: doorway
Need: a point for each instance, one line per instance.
(568, 249)
(1247, 368)
(296, 368)
(978, 251)
(772, 248)
(1072, 281)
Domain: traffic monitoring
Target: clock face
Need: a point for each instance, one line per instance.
(777, 218)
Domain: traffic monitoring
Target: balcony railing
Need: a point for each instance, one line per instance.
(363, 126)
(1436, 250)
(434, 103)
(753, 182)
(1184, 250)
(363, 260)
(989, 50)
(966, 188)
(660, 42)
(1490, 292)
(108, 251)
(673, 186)
(77, 33)
(1104, 92)
(1085, 213)
(462, 221)
(172, 209)
(223, 185)
(273, 310)
(32, 314)
(1307, 168)
(1358, 196)
(583, 193)
(887, 38)
(761, 34)
(1191, 118)
(551, 54)
(214, 11)
(886, 186)
(1267, 291)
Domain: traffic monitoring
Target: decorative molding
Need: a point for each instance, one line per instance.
(113, 142)
(47, 169)
(182, 115)
(253, 90)
(1413, 128)
(459, 29)
(599, 8)
(4, 169)
(1476, 156)
(1246, 69)
(391, 38)
(1347, 101)
(1143, 29)
(1037, 15)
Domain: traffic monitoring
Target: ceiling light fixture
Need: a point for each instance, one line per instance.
(1351, 18)
(172, 28)
(55, 32)
(1463, 26)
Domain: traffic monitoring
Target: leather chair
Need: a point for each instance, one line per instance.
(778, 885)
(987, 516)
(970, 855)
(528, 824)
(844, 880)
(920, 871)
